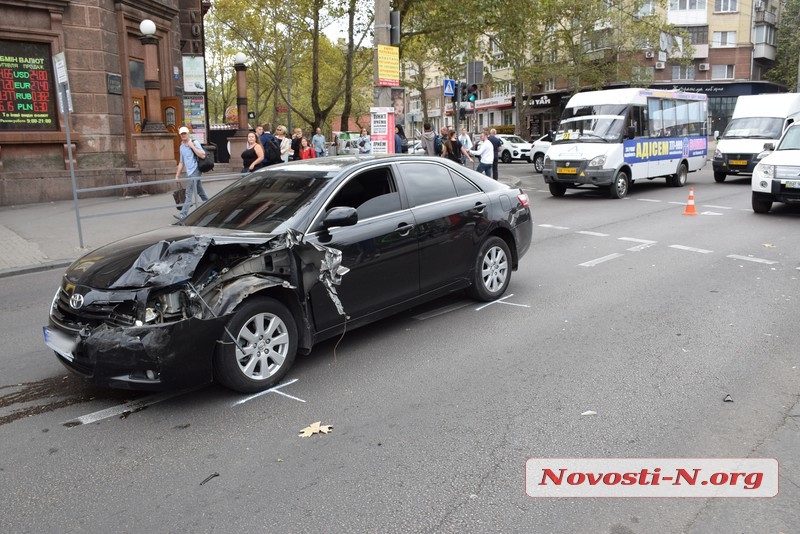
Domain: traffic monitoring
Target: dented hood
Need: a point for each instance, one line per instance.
(157, 258)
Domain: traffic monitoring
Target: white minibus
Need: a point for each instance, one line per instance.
(614, 137)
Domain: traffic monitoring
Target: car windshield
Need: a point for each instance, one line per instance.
(791, 139)
(590, 129)
(514, 139)
(269, 202)
(754, 128)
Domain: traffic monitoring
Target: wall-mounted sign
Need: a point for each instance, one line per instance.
(194, 74)
(27, 91)
(388, 65)
(114, 84)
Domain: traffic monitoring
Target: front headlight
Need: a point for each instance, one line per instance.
(764, 172)
(598, 161)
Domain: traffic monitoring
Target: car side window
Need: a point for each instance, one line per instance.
(372, 192)
(425, 183)
(463, 186)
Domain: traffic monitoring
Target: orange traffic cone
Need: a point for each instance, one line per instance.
(690, 209)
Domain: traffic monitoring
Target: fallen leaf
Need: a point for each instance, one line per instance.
(315, 428)
(589, 412)
(768, 245)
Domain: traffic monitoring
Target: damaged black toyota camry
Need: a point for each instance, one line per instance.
(279, 260)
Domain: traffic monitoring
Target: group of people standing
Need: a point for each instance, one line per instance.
(257, 152)
(447, 143)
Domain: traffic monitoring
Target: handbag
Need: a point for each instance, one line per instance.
(180, 197)
(206, 164)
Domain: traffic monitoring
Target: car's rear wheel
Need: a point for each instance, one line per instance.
(679, 178)
(492, 270)
(719, 177)
(761, 204)
(506, 156)
(262, 349)
(557, 190)
(538, 162)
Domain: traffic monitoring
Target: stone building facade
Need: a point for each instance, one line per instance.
(126, 92)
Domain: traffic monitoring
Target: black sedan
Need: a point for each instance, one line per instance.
(279, 260)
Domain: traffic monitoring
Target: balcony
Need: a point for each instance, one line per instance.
(700, 51)
(764, 51)
(766, 17)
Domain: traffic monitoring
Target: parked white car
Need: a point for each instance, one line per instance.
(538, 150)
(776, 177)
(514, 147)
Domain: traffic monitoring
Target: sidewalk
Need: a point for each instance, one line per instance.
(37, 237)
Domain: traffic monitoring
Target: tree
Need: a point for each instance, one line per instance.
(786, 63)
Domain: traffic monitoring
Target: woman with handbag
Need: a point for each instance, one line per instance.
(364, 144)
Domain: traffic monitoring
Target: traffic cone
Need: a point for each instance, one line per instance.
(690, 209)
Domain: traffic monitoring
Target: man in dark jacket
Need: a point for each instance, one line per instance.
(497, 143)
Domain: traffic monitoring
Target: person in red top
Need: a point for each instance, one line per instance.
(306, 150)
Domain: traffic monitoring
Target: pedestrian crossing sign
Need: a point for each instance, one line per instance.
(449, 87)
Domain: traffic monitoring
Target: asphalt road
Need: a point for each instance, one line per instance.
(625, 308)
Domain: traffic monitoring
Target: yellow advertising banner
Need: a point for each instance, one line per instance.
(388, 65)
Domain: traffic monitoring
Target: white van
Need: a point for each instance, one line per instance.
(608, 139)
(776, 177)
(756, 121)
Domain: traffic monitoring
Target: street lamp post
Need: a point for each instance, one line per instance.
(241, 92)
(152, 85)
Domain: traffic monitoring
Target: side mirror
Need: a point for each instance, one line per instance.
(631, 132)
(716, 135)
(769, 146)
(340, 216)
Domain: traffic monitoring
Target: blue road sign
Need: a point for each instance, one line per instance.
(449, 87)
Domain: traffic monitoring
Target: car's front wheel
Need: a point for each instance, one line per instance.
(506, 156)
(761, 204)
(719, 177)
(258, 347)
(619, 189)
(492, 270)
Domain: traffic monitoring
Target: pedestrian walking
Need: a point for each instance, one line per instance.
(296, 136)
(253, 154)
(485, 152)
(452, 148)
(466, 142)
(190, 150)
(364, 143)
(318, 142)
(286, 143)
(428, 140)
(497, 143)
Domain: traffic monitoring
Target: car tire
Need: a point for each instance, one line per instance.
(619, 188)
(679, 178)
(538, 162)
(761, 204)
(506, 156)
(267, 334)
(492, 270)
(719, 177)
(557, 190)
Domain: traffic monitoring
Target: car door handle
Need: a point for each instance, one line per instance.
(480, 207)
(404, 229)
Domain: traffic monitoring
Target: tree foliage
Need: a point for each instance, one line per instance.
(786, 62)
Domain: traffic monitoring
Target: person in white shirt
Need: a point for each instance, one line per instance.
(466, 142)
(485, 152)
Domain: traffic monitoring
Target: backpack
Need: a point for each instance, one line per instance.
(205, 164)
(437, 145)
(272, 150)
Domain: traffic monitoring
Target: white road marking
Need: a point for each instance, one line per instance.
(754, 260)
(692, 249)
(592, 263)
(270, 390)
(648, 200)
(554, 227)
(596, 234)
(501, 301)
(122, 408)
(645, 243)
(717, 207)
(677, 203)
(710, 213)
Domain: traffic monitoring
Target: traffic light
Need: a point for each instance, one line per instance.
(472, 93)
(462, 114)
(464, 92)
(458, 88)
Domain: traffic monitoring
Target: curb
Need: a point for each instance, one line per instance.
(14, 271)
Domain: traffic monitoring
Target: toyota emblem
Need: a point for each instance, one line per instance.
(76, 301)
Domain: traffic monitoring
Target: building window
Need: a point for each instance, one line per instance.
(643, 74)
(683, 72)
(725, 6)
(765, 34)
(550, 85)
(687, 5)
(698, 35)
(724, 39)
(721, 72)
